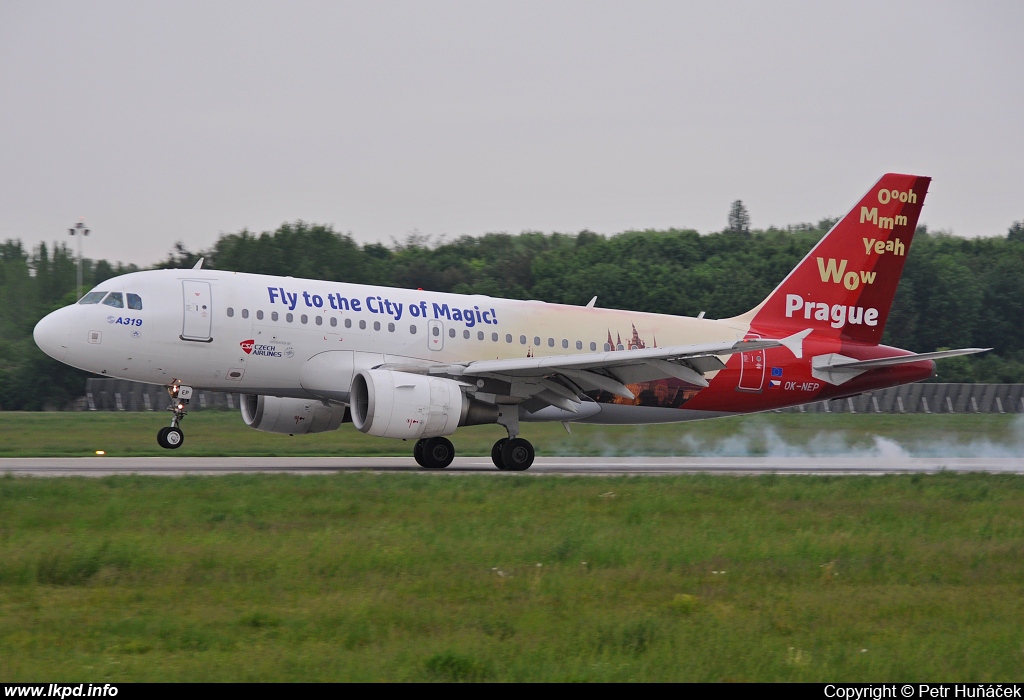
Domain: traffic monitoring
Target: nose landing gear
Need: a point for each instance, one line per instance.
(172, 437)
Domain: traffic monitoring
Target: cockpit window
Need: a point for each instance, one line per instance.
(115, 299)
(134, 302)
(92, 298)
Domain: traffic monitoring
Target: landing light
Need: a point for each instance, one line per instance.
(100, 453)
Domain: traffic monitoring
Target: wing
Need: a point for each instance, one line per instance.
(560, 380)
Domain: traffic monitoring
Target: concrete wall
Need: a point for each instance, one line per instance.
(119, 395)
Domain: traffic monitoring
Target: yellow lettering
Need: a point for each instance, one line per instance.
(872, 215)
(881, 247)
(885, 222)
(831, 270)
(867, 277)
(901, 220)
(868, 243)
(851, 281)
(888, 246)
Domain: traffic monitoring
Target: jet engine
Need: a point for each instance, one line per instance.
(274, 414)
(412, 406)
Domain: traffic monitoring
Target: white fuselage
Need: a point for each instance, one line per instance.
(256, 334)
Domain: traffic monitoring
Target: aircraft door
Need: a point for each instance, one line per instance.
(752, 369)
(435, 335)
(198, 311)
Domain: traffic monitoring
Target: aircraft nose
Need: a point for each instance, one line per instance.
(52, 332)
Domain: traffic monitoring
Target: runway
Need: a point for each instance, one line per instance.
(565, 466)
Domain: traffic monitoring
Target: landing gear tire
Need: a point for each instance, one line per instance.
(417, 452)
(161, 437)
(173, 438)
(517, 455)
(496, 453)
(437, 453)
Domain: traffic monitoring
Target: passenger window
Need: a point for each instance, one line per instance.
(245, 313)
(289, 318)
(304, 318)
(522, 340)
(607, 347)
(479, 335)
(551, 342)
(376, 325)
(593, 347)
(412, 329)
(465, 334)
(508, 337)
(536, 340)
(391, 328)
(579, 344)
(319, 320)
(494, 337)
(619, 347)
(348, 323)
(565, 343)
(231, 312)
(362, 325)
(259, 315)
(134, 302)
(451, 332)
(437, 331)
(115, 299)
(334, 322)
(273, 316)
(92, 298)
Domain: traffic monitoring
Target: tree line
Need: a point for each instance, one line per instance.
(955, 292)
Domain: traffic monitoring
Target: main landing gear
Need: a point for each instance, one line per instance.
(172, 437)
(511, 454)
(434, 453)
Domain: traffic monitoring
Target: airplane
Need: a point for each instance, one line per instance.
(308, 355)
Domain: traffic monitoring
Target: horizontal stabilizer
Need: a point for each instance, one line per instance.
(848, 364)
(837, 369)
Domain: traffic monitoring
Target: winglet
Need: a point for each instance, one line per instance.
(795, 342)
(199, 264)
(590, 304)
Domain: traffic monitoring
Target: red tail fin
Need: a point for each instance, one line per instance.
(846, 284)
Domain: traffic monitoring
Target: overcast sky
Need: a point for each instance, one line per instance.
(167, 121)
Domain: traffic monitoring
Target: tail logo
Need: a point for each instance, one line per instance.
(851, 280)
(894, 246)
(883, 222)
(838, 315)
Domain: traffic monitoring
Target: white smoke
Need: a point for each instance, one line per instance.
(766, 441)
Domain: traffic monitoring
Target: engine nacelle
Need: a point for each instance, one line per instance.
(274, 414)
(407, 406)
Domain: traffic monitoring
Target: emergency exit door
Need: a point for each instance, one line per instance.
(198, 311)
(752, 369)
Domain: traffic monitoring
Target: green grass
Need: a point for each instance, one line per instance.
(427, 577)
(218, 433)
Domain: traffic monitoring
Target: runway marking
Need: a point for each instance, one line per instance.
(567, 466)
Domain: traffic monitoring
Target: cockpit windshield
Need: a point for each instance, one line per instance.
(134, 302)
(115, 299)
(92, 298)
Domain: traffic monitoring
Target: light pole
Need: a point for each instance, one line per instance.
(81, 231)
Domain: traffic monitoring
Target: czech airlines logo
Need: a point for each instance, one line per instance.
(249, 347)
